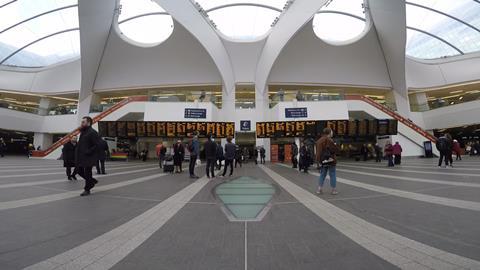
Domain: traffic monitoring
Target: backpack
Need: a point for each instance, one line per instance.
(442, 144)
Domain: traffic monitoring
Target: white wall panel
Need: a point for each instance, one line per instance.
(307, 59)
(453, 116)
(175, 111)
(244, 57)
(180, 60)
(316, 110)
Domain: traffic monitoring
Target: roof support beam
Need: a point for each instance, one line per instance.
(389, 18)
(291, 21)
(95, 20)
(187, 14)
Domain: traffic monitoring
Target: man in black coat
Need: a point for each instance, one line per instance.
(210, 155)
(86, 153)
(68, 154)
(102, 156)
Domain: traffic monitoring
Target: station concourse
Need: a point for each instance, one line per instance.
(239, 134)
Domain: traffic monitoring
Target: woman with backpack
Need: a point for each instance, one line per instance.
(326, 156)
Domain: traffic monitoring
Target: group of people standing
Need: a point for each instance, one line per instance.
(82, 154)
(230, 154)
(446, 146)
(393, 153)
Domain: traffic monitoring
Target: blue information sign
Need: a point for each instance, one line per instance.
(195, 113)
(245, 125)
(296, 112)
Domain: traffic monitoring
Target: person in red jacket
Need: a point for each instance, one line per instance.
(397, 152)
(389, 153)
(457, 150)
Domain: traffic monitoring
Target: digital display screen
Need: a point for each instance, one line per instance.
(151, 129)
(122, 129)
(131, 129)
(141, 129)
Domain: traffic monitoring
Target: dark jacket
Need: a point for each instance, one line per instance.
(178, 154)
(86, 152)
(102, 149)
(210, 150)
(68, 154)
(219, 152)
(230, 151)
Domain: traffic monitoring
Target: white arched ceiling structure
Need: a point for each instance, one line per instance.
(292, 20)
(389, 19)
(186, 14)
(95, 20)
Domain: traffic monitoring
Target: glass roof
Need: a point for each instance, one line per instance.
(243, 19)
(340, 21)
(442, 28)
(144, 22)
(38, 33)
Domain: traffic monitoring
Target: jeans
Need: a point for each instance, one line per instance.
(191, 165)
(332, 172)
(211, 167)
(86, 173)
(447, 156)
(228, 162)
(100, 166)
(390, 161)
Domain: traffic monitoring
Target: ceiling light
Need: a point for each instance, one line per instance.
(455, 92)
(460, 98)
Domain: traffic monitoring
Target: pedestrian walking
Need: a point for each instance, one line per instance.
(68, 155)
(397, 153)
(86, 154)
(102, 156)
(229, 156)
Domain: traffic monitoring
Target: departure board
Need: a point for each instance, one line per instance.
(314, 129)
(112, 129)
(141, 129)
(121, 129)
(279, 129)
(342, 128)
(362, 128)
(151, 129)
(382, 127)
(352, 128)
(290, 129)
(165, 129)
(131, 129)
(161, 129)
(102, 129)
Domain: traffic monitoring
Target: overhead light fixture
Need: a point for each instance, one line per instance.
(457, 91)
(460, 98)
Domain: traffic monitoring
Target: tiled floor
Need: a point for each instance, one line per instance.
(415, 216)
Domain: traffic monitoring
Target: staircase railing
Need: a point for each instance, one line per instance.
(97, 118)
(394, 115)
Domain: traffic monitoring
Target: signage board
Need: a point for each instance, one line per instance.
(195, 113)
(245, 125)
(296, 112)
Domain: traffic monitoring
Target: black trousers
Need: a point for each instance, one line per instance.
(219, 163)
(210, 167)
(378, 157)
(238, 161)
(70, 173)
(100, 166)
(294, 162)
(228, 162)
(447, 156)
(191, 165)
(86, 173)
(397, 159)
(262, 160)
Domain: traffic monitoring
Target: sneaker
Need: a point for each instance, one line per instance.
(69, 178)
(74, 178)
(95, 181)
(319, 191)
(85, 193)
(334, 192)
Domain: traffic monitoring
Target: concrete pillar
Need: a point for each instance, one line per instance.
(43, 105)
(44, 140)
(228, 102)
(85, 104)
(261, 112)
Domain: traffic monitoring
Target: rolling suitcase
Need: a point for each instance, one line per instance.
(168, 164)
